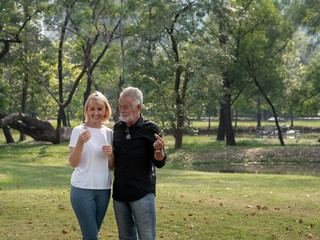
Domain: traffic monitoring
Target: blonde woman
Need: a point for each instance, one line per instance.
(92, 158)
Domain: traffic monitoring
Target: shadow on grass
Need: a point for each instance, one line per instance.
(29, 175)
(37, 165)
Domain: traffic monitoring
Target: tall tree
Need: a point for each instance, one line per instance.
(64, 20)
(165, 29)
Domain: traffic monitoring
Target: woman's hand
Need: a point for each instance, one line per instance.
(85, 136)
(107, 149)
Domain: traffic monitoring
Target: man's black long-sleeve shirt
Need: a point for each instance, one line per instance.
(135, 175)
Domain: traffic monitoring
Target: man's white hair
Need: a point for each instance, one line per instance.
(134, 93)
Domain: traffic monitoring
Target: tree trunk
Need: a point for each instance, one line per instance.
(291, 121)
(222, 125)
(230, 141)
(225, 123)
(24, 101)
(37, 129)
(33, 108)
(7, 134)
(178, 136)
(178, 130)
(87, 93)
(235, 122)
(116, 114)
(226, 105)
(273, 110)
(62, 115)
(5, 129)
(259, 113)
(59, 119)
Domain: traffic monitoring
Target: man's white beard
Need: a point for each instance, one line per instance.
(128, 118)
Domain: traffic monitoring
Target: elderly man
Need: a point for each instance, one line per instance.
(138, 149)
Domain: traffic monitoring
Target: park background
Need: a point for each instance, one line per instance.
(216, 77)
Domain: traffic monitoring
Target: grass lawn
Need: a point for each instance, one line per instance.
(34, 193)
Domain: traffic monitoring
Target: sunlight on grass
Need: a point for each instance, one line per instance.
(5, 179)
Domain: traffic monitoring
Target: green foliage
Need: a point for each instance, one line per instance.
(261, 32)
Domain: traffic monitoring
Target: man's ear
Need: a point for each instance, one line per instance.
(139, 107)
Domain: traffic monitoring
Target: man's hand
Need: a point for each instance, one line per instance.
(159, 143)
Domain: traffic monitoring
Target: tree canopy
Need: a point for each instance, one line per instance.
(190, 58)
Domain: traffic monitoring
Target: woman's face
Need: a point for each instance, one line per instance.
(96, 113)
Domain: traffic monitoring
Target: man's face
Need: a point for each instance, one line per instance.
(128, 114)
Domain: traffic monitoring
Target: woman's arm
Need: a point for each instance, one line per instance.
(107, 149)
(112, 164)
(76, 152)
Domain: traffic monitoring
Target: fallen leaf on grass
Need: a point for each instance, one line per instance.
(260, 207)
(253, 212)
(64, 231)
(207, 221)
(62, 207)
(186, 219)
(310, 236)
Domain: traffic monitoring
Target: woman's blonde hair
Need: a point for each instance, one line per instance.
(97, 98)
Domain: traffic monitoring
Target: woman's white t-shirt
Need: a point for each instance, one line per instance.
(93, 171)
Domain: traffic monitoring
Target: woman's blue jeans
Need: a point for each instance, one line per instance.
(136, 217)
(90, 207)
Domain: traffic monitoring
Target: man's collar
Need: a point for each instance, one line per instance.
(139, 123)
